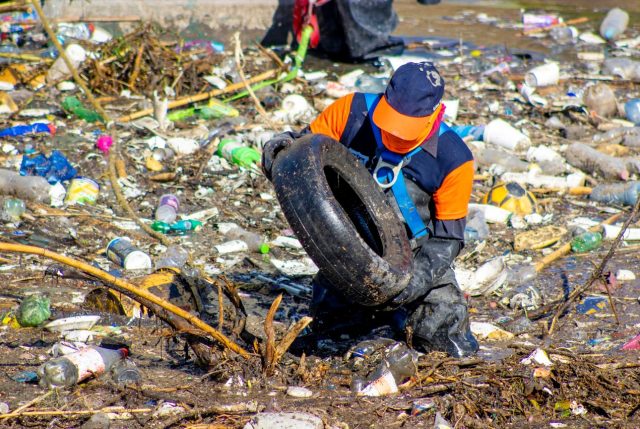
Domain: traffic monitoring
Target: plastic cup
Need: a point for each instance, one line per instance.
(544, 75)
(501, 133)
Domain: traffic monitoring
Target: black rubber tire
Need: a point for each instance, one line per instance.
(343, 219)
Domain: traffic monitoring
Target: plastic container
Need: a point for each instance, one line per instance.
(254, 242)
(82, 190)
(32, 188)
(121, 251)
(73, 368)
(501, 133)
(632, 110)
(12, 209)
(238, 154)
(173, 257)
(586, 242)
(59, 69)
(614, 24)
(544, 75)
(168, 208)
(125, 371)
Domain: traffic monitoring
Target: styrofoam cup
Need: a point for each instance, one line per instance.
(544, 75)
(501, 133)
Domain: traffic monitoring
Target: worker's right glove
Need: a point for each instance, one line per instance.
(270, 152)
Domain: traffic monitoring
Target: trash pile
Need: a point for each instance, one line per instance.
(146, 258)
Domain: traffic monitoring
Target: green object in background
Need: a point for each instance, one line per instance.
(238, 154)
(33, 311)
(214, 110)
(73, 105)
(183, 226)
(586, 242)
(162, 227)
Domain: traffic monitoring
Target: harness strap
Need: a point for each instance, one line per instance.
(388, 174)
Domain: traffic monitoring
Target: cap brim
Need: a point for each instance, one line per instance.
(402, 126)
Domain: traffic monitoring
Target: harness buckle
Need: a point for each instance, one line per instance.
(385, 173)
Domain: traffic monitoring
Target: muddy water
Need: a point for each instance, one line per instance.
(419, 20)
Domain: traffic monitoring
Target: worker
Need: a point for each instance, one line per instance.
(406, 123)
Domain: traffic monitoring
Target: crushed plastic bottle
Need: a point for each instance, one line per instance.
(476, 227)
(614, 24)
(586, 242)
(33, 188)
(173, 257)
(397, 367)
(70, 369)
(55, 168)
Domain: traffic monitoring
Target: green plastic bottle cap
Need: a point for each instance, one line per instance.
(264, 248)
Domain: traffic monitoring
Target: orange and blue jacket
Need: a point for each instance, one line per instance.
(439, 177)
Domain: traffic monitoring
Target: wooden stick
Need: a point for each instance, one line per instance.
(77, 413)
(560, 24)
(200, 97)
(566, 248)
(256, 101)
(270, 345)
(290, 336)
(14, 6)
(132, 289)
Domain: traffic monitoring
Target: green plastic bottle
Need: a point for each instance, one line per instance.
(73, 105)
(184, 226)
(239, 154)
(586, 242)
(160, 226)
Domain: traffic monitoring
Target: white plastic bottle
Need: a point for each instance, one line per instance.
(614, 23)
(59, 69)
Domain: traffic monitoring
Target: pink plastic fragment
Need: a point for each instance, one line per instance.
(104, 143)
(633, 344)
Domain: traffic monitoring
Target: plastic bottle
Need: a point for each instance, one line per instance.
(399, 364)
(77, 31)
(33, 188)
(168, 208)
(173, 257)
(616, 193)
(59, 69)
(632, 110)
(586, 242)
(125, 371)
(12, 209)
(622, 67)
(474, 131)
(476, 228)
(506, 161)
(254, 242)
(184, 226)
(121, 251)
(592, 161)
(563, 35)
(239, 154)
(614, 23)
(73, 368)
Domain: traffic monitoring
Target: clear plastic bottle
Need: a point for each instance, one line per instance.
(601, 99)
(168, 208)
(59, 69)
(73, 368)
(564, 35)
(476, 227)
(125, 371)
(586, 242)
(76, 30)
(625, 68)
(254, 242)
(12, 209)
(616, 193)
(173, 257)
(614, 24)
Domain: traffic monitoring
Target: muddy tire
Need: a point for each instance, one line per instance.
(343, 219)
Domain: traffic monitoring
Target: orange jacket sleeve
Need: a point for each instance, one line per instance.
(452, 198)
(333, 120)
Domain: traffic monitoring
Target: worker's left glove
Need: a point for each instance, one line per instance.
(431, 264)
(270, 152)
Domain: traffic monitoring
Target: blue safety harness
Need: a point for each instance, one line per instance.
(388, 173)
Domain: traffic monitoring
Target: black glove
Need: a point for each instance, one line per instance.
(271, 150)
(431, 268)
